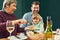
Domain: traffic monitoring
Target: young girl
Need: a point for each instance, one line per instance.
(36, 28)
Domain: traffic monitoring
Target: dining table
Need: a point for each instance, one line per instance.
(25, 37)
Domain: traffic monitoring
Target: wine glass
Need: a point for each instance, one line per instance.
(10, 27)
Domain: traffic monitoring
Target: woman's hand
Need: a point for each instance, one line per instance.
(20, 21)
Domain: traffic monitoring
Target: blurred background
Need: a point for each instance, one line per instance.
(47, 8)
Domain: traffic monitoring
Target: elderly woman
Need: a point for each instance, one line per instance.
(9, 6)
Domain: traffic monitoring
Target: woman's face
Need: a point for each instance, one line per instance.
(35, 20)
(11, 8)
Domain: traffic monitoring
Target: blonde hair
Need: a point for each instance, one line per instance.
(36, 15)
(8, 2)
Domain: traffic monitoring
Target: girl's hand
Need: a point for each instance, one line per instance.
(31, 28)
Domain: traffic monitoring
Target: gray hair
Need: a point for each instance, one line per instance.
(8, 2)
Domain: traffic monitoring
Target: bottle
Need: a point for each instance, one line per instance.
(48, 31)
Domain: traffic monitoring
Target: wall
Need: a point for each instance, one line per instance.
(48, 8)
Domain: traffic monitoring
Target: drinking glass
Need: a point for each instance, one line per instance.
(10, 27)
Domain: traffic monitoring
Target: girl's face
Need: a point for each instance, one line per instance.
(35, 20)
